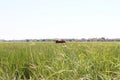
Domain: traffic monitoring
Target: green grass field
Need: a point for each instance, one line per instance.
(51, 61)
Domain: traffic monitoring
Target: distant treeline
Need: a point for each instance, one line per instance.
(102, 39)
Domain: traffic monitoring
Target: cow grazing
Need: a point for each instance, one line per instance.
(60, 41)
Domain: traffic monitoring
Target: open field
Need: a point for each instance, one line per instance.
(68, 61)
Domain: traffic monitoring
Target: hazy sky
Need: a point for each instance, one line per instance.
(21, 19)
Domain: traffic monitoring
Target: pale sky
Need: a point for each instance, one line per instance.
(29, 19)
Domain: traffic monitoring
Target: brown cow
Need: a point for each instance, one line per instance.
(60, 41)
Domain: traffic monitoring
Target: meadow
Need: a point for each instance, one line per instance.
(67, 61)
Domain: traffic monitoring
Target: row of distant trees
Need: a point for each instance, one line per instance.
(102, 39)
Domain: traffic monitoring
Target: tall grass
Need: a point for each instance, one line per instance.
(69, 61)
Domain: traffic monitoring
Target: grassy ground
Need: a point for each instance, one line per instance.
(51, 61)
